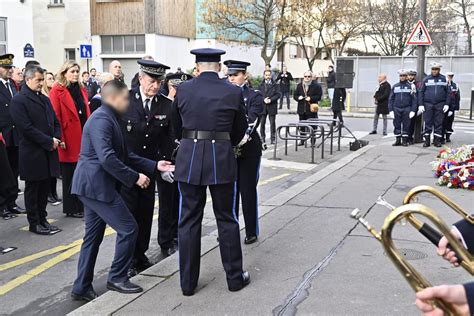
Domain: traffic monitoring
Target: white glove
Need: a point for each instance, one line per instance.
(445, 108)
(391, 114)
(421, 108)
(167, 176)
(412, 114)
(300, 97)
(450, 113)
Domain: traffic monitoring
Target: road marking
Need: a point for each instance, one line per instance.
(469, 132)
(27, 228)
(67, 252)
(299, 166)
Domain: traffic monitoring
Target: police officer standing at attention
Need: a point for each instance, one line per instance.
(402, 103)
(434, 101)
(455, 98)
(209, 116)
(249, 150)
(9, 131)
(148, 134)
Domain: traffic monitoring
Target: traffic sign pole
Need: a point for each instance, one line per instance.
(420, 63)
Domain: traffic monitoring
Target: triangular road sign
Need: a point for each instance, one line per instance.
(419, 35)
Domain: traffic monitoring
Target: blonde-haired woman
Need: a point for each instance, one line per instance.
(69, 100)
(48, 83)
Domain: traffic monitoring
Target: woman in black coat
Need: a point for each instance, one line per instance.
(307, 92)
(381, 101)
(338, 104)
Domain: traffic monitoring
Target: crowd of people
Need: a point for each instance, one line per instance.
(112, 146)
(437, 97)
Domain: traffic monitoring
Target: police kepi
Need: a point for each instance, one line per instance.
(434, 102)
(402, 102)
(249, 149)
(209, 118)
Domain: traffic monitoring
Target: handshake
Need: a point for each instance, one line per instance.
(166, 169)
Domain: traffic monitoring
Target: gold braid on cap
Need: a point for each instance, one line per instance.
(153, 70)
(6, 62)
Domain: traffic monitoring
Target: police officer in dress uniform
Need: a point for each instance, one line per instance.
(148, 134)
(417, 119)
(402, 103)
(434, 102)
(209, 117)
(9, 131)
(7, 181)
(249, 150)
(455, 98)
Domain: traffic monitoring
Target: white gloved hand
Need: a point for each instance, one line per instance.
(167, 176)
(450, 113)
(445, 108)
(391, 114)
(421, 108)
(412, 114)
(300, 97)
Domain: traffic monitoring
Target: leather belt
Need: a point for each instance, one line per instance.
(210, 135)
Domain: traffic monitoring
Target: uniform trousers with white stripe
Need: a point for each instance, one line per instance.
(191, 212)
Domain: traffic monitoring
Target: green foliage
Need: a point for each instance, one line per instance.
(255, 81)
(325, 103)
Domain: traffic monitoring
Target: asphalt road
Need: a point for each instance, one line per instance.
(41, 285)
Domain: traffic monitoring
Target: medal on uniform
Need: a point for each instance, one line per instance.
(129, 126)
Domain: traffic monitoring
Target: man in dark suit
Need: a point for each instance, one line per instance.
(104, 165)
(147, 129)
(248, 151)
(40, 133)
(206, 159)
(284, 79)
(9, 130)
(271, 93)
(460, 296)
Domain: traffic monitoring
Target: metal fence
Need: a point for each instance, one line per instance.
(367, 68)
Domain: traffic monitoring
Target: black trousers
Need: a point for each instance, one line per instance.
(286, 95)
(8, 186)
(36, 200)
(448, 124)
(13, 159)
(248, 175)
(71, 204)
(263, 122)
(168, 196)
(97, 215)
(337, 115)
(141, 204)
(192, 202)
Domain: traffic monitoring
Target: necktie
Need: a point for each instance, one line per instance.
(147, 107)
(7, 85)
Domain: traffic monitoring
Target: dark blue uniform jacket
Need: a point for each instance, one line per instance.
(402, 97)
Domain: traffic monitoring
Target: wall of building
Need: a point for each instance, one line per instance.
(19, 28)
(59, 28)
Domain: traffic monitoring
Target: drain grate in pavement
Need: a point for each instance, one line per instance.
(412, 254)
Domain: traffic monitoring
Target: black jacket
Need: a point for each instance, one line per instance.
(284, 79)
(150, 138)
(381, 97)
(254, 105)
(331, 80)
(339, 99)
(271, 91)
(7, 179)
(7, 126)
(315, 92)
(36, 121)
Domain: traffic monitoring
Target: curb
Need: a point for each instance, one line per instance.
(111, 301)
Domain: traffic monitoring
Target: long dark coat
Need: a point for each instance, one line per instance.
(381, 97)
(338, 99)
(36, 121)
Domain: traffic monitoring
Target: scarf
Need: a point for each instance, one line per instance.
(76, 94)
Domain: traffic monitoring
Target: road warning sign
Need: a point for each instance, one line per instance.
(419, 35)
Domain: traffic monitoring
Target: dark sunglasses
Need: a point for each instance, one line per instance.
(307, 76)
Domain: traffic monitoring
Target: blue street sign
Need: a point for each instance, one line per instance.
(86, 51)
(28, 51)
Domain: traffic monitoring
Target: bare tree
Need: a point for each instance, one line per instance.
(442, 28)
(257, 22)
(390, 22)
(464, 9)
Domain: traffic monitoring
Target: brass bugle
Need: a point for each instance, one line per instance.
(411, 275)
(425, 229)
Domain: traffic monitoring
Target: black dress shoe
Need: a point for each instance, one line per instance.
(52, 228)
(40, 230)
(245, 282)
(75, 215)
(6, 215)
(168, 251)
(132, 271)
(250, 240)
(373, 133)
(88, 296)
(126, 287)
(188, 293)
(17, 210)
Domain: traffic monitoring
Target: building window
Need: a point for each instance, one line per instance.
(70, 53)
(120, 44)
(56, 4)
(3, 36)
